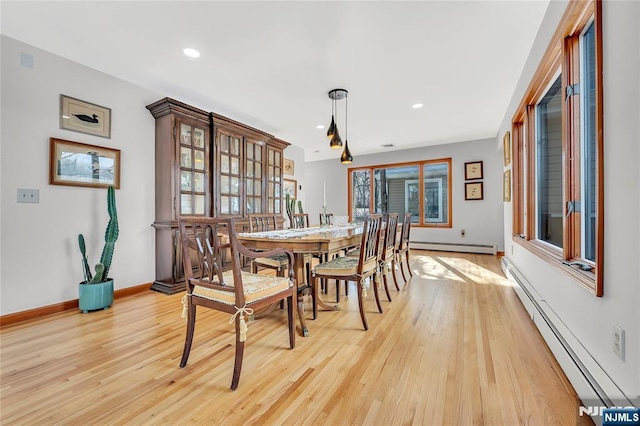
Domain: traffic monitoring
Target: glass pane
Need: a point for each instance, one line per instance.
(235, 205)
(224, 164)
(198, 135)
(277, 158)
(224, 146)
(250, 203)
(588, 85)
(257, 206)
(199, 204)
(250, 167)
(270, 172)
(199, 157)
(258, 153)
(185, 134)
(396, 190)
(549, 163)
(185, 180)
(235, 185)
(276, 208)
(271, 189)
(250, 187)
(250, 149)
(436, 193)
(185, 204)
(235, 165)
(224, 184)
(276, 174)
(198, 182)
(361, 180)
(185, 157)
(258, 188)
(235, 146)
(258, 171)
(270, 157)
(277, 190)
(224, 205)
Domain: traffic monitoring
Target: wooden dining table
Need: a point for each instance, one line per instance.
(315, 240)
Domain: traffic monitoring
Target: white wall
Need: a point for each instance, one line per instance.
(39, 250)
(481, 220)
(589, 318)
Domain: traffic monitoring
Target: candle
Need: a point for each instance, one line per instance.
(324, 195)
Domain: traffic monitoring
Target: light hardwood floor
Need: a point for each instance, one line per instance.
(453, 347)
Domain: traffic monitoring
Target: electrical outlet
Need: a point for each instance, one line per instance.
(618, 341)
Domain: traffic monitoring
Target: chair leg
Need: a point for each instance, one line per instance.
(191, 323)
(237, 366)
(338, 291)
(361, 306)
(376, 278)
(314, 297)
(406, 255)
(393, 272)
(291, 314)
(254, 268)
(386, 286)
(401, 269)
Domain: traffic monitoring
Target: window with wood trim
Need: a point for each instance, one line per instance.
(558, 151)
(422, 188)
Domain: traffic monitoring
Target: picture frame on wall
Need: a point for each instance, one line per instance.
(473, 191)
(506, 148)
(290, 187)
(79, 164)
(473, 170)
(506, 186)
(84, 117)
(288, 167)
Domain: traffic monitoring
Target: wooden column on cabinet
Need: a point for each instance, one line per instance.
(182, 184)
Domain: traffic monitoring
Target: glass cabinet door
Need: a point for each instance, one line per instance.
(253, 176)
(193, 178)
(230, 172)
(274, 181)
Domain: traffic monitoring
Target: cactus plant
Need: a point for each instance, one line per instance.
(110, 237)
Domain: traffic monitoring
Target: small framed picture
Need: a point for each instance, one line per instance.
(506, 186)
(290, 186)
(506, 147)
(84, 117)
(288, 167)
(79, 164)
(473, 191)
(473, 170)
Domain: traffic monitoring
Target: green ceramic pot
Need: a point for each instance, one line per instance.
(95, 296)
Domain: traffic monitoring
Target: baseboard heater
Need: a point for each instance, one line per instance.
(592, 384)
(464, 248)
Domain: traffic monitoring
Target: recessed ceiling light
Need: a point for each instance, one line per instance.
(416, 106)
(320, 126)
(190, 52)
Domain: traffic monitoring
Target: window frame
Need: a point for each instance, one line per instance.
(421, 179)
(564, 54)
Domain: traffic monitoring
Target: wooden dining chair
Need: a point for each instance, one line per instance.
(267, 222)
(361, 270)
(300, 220)
(216, 281)
(388, 250)
(402, 251)
(326, 219)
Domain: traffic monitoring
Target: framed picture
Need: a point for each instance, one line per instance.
(506, 186)
(79, 164)
(473, 191)
(288, 167)
(290, 186)
(506, 142)
(473, 170)
(81, 116)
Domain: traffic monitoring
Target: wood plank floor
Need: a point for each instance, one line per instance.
(454, 347)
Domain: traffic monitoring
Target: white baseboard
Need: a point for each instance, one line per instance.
(463, 248)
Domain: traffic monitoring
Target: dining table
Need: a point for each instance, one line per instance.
(321, 240)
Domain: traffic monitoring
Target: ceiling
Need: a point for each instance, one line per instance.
(271, 64)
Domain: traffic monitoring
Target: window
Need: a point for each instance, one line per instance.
(558, 151)
(422, 188)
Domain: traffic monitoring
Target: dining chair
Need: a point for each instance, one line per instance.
(267, 222)
(326, 219)
(388, 250)
(362, 270)
(300, 220)
(402, 251)
(216, 281)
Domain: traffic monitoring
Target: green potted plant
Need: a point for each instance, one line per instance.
(96, 291)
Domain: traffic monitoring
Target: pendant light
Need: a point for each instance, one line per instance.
(332, 132)
(346, 157)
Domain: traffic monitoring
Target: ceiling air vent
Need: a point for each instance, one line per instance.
(388, 145)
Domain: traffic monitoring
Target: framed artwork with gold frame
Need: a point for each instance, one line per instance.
(473, 191)
(506, 186)
(506, 147)
(81, 164)
(288, 167)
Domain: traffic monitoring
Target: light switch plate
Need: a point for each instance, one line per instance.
(28, 195)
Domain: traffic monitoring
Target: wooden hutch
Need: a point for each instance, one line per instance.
(208, 165)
